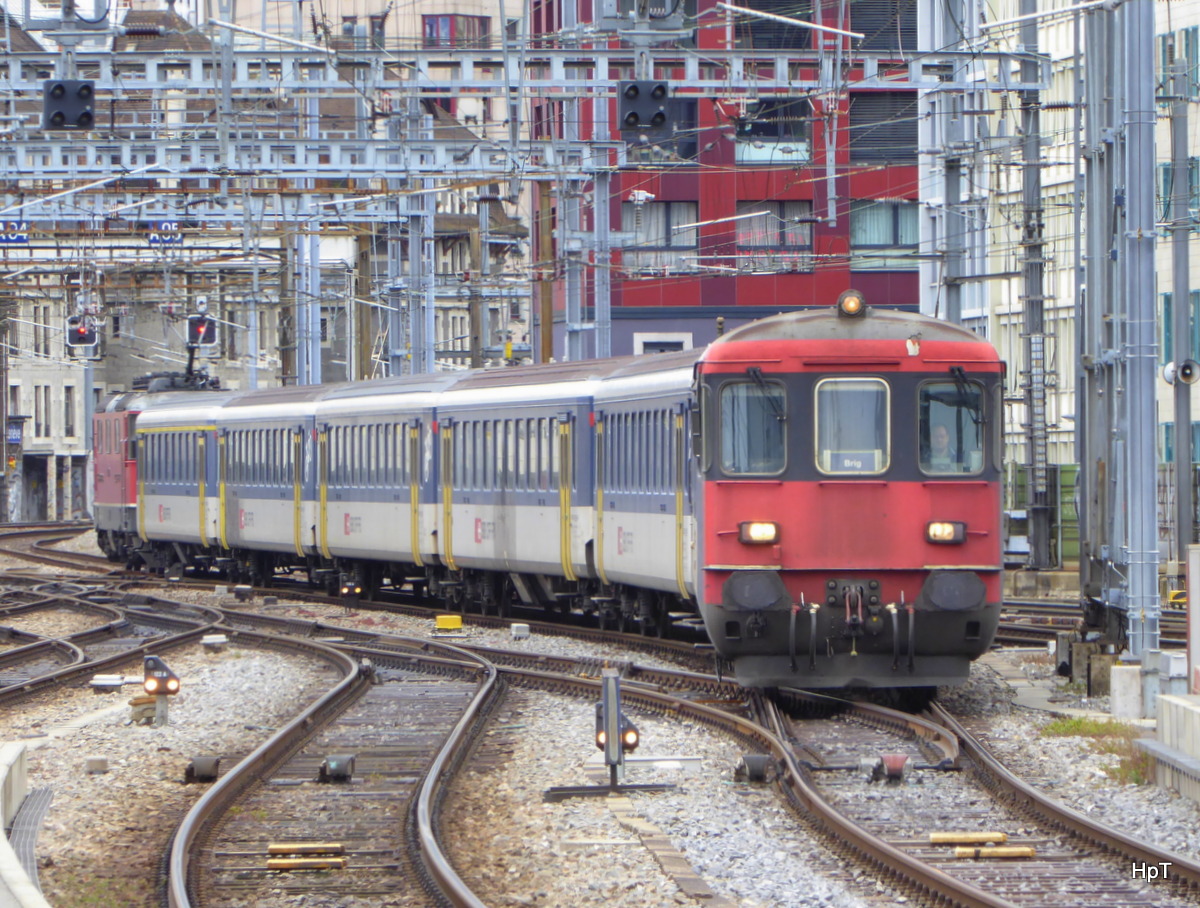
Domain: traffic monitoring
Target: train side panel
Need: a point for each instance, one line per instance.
(646, 484)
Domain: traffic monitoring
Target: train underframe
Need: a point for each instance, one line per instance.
(616, 606)
(861, 632)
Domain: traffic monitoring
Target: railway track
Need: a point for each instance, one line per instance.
(919, 871)
(1006, 854)
(346, 788)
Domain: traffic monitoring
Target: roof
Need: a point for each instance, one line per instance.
(15, 39)
(181, 34)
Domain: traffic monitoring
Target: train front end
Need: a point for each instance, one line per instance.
(851, 528)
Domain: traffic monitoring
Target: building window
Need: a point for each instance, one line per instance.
(774, 132)
(782, 120)
(378, 29)
(884, 235)
(770, 34)
(1166, 192)
(665, 236)
(1166, 328)
(774, 236)
(887, 24)
(457, 31)
(41, 411)
(41, 330)
(69, 411)
(883, 127)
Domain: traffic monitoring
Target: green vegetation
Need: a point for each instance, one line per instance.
(77, 891)
(1134, 765)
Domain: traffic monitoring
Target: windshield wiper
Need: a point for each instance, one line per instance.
(755, 373)
(964, 396)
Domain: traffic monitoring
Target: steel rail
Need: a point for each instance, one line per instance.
(1184, 871)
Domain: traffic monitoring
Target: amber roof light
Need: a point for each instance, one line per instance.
(851, 304)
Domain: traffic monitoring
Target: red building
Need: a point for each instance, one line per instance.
(744, 205)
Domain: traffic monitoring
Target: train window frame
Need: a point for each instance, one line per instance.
(462, 430)
(510, 454)
(820, 450)
(522, 453)
(369, 459)
(555, 457)
(727, 466)
(926, 422)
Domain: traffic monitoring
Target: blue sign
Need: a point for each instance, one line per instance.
(14, 232)
(15, 433)
(164, 233)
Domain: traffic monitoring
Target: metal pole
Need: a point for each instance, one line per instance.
(428, 276)
(1141, 342)
(1038, 488)
(545, 257)
(603, 282)
(477, 314)
(1182, 298)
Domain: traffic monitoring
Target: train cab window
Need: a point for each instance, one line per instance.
(753, 429)
(852, 426)
(951, 433)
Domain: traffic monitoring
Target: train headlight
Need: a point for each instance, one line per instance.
(756, 532)
(850, 304)
(946, 531)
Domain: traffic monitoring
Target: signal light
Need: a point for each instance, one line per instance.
(351, 590)
(201, 331)
(81, 331)
(627, 733)
(159, 679)
(642, 106)
(68, 103)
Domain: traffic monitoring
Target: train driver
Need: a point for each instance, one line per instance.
(941, 457)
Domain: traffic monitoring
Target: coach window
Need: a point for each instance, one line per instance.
(522, 450)
(752, 427)
(459, 446)
(951, 426)
(852, 426)
(468, 451)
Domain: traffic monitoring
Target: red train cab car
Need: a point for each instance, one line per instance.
(851, 498)
(114, 464)
(114, 459)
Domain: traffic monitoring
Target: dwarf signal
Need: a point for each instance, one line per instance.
(159, 679)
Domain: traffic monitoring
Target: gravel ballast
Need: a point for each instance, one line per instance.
(516, 848)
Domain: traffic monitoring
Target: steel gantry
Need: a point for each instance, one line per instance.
(243, 134)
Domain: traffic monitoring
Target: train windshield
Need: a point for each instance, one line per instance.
(951, 426)
(852, 426)
(753, 427)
